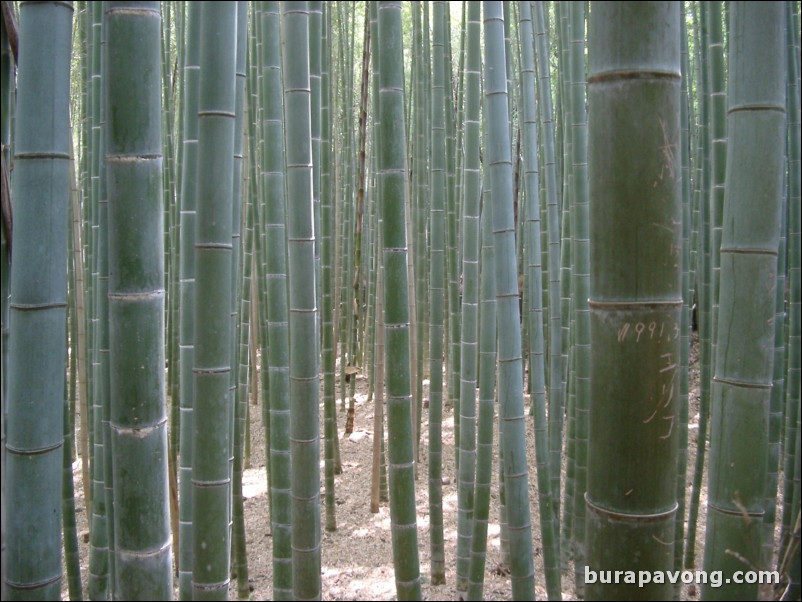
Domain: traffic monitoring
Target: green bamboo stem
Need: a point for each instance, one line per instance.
(138, 423)
(452, 266)
(687, 301)
(776, 402)
(71, 555)
(260, 205)
(237, 217)
(378, 402)
(304, 343)
(80, 330)
(6, 104)
(422, 104)
(459, 136)
(427, 86)
(171, 206)
(70, 385)
(102, 577)
(744, 346)
(103, 383)
(315, 80)
(718, 149)
(414, 331)
(373, 214)
(278, 392)
(487, 398)
(359, 238)
(238, 316)
(339, 207)
(510, 365)
(471, 240)
(246, 328)
(369, 354)
(635, 308)
(37, 310)
(536, 351)
(556, 397)
(437, 296)
(328, 351)
(392, 171)
(423, 207)
(186, 348)
(377, 380)
(784, 411)
(211, 419)
(580, 274)
(98, 545)
(704, 293)
(792, 401)
(248, 339)
(344, 273)
(568, 280)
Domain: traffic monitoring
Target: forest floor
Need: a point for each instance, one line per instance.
(357, 561)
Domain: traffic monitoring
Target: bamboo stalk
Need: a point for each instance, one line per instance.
(510, 365)
(392, 172)
(304, 342)
(744, 342)
(37, 310)
(635, 307)
(137, 420)
(211, 479)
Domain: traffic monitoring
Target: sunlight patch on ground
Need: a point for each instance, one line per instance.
(254, 482)
(494, 535)
(361, 583)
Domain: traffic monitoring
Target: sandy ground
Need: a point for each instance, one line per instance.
(357, 557)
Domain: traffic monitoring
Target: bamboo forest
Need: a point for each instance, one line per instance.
(400, 300)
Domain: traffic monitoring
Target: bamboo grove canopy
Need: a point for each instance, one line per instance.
(574, 226)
